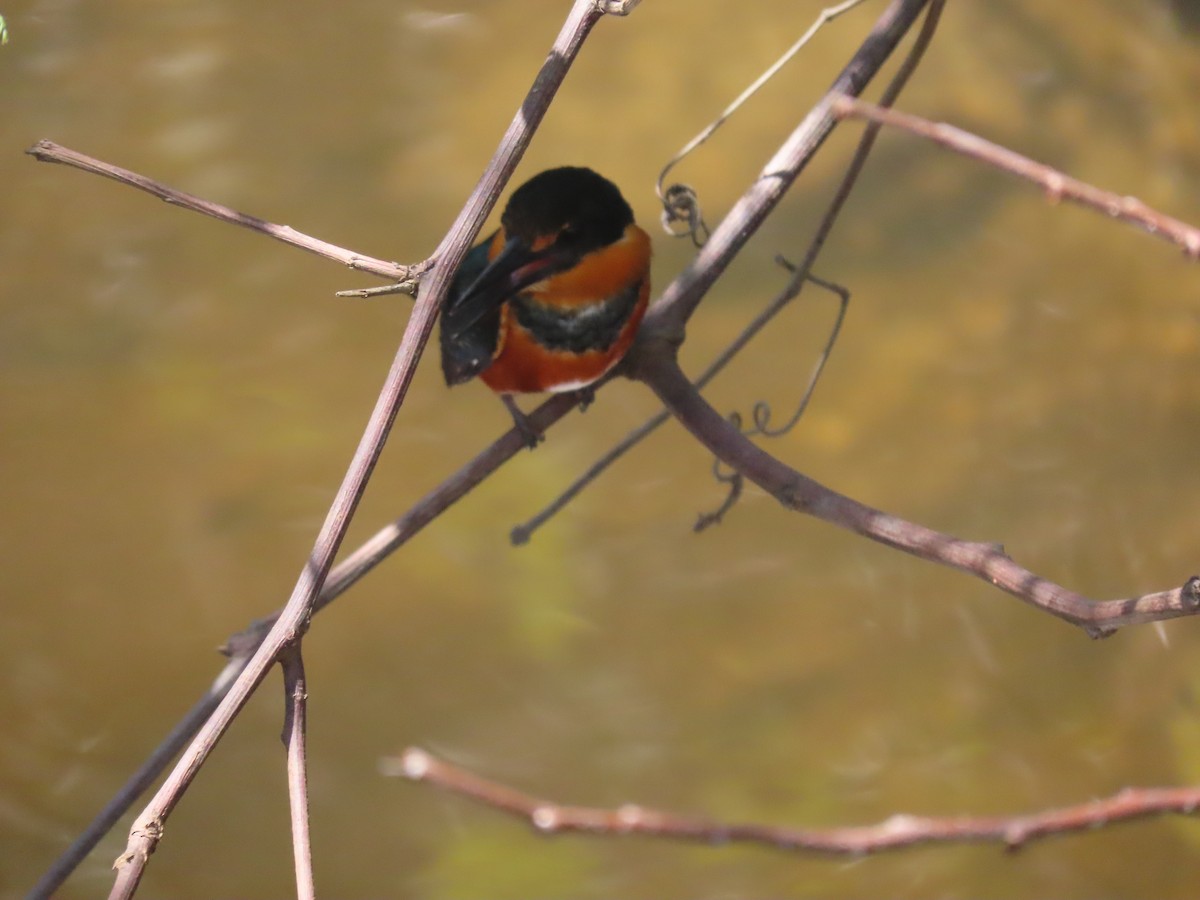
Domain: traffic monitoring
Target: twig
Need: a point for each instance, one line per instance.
(48, 151)
(295, 739)
(895, 833)
(986, 561)
(736, 483)
(520, 534)
(147, 829)
(1056, 184)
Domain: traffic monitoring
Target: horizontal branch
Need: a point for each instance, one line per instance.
(894, 833)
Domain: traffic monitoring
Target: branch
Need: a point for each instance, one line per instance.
(147, 829)
(986, 561)
(895, 833)
(1056, 184)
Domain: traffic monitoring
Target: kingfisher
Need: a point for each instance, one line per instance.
(552, 300)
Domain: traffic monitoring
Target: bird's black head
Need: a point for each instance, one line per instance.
(580, 210)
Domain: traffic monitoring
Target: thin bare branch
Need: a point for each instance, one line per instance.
(895, 833)
(520, 534)
(295, 739)
(1057, 185)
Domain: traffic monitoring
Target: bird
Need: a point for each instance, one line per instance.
(552, 300)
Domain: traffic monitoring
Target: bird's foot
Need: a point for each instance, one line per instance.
(528, 430)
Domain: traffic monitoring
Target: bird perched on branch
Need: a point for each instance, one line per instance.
(552, 300)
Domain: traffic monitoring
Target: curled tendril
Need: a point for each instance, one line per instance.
(733, 478)
(760, 415)
(681, 204)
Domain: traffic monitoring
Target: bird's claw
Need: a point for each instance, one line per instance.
(532, 435)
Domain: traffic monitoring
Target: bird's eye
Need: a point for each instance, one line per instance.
(568, 232)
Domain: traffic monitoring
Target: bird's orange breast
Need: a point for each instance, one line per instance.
(565, 332)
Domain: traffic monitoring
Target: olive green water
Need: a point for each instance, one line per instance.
(179, 399)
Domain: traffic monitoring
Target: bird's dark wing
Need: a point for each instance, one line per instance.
(467, 347)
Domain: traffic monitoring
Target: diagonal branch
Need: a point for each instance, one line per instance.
(241, 646)
(1057, 185)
